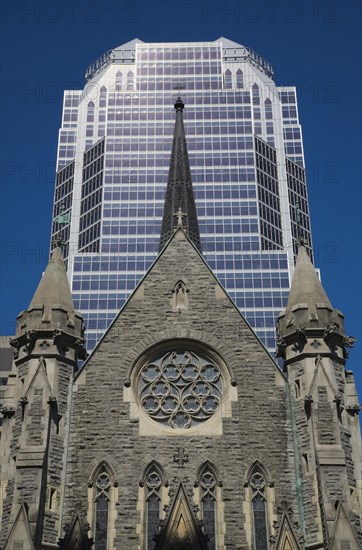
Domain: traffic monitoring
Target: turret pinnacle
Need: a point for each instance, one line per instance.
(180, 208)
(306, 286)
(53, 288)
(308, 304)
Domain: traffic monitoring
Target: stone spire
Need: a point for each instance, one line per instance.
(180, 208)
(308, 304)
(53, 287)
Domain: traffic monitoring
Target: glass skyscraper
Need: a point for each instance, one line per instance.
(246, 157)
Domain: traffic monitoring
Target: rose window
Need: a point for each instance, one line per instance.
(180, 389)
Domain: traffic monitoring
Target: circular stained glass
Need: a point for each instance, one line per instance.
(180, 389)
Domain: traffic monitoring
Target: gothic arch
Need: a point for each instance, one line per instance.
(208, 482)
(257, 466)
(154, 466)
(180, 295)
(107, 463)
(207, 465)
(257, 493)
(152, 481)
(228, 79)
(239, 79)
(102, 499)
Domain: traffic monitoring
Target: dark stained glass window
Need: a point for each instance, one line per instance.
(208, 484)
(261, 539)
(153, 484)
(257, 483)
(101, 511)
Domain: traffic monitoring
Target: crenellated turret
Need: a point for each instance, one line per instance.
(49, 341)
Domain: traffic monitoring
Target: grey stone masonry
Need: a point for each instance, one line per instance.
(109, 424)
(36, 407)
(325, 409)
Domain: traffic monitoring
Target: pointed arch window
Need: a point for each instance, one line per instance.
(153, 504)
(255, 94)
(103, 487)
(239, 79)
(208, 505)
(257, 484)
(103, 97)
(180, 299)
(228, 79)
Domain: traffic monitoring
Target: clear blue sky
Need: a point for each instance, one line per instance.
(46, 47)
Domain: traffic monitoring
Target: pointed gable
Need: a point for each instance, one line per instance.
(343, 533)
(321, 378)
(40, 379)
(286, 537)
(181, 528)
(20, 536)
(76, 537)
(149, 325)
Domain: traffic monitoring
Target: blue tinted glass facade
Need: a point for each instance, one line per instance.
(241, 129)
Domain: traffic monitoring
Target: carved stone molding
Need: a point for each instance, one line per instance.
(181, 457)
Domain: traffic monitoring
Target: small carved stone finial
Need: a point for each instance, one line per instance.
(179, 105)
(181, 457)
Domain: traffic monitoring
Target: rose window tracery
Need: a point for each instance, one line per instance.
(180, 388)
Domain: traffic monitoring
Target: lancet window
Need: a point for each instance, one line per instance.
(239, 79)
(153, 504)
(255, 94)
(258, 486)
(102, 500)
(228, 79)
(208, 483)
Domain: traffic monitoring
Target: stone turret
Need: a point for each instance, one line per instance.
(309, 313)
(325, 408)
(47, 345)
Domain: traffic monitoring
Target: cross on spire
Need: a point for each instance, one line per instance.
(180, 215)
(179, 87)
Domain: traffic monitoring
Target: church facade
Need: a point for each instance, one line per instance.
(180, 431)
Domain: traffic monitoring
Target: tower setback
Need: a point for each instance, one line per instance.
(246, 163)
